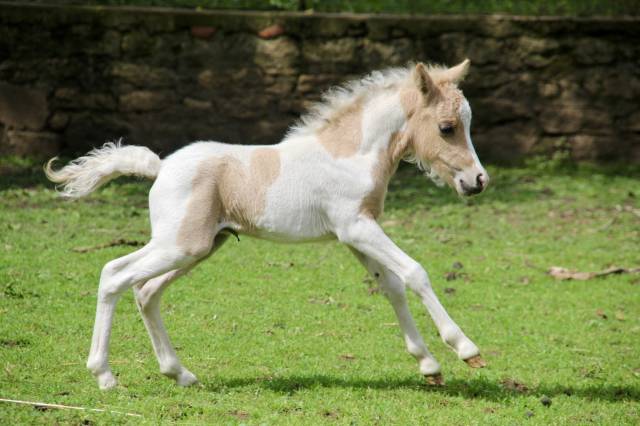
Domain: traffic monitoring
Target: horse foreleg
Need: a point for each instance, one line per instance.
(367, 237)
(394, 290)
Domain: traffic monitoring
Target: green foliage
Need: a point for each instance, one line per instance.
(538, 7)
(296, 334)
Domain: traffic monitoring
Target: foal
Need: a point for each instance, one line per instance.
(326, 180)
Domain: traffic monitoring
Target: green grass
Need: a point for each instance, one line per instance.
(290, 334)
(537, 7)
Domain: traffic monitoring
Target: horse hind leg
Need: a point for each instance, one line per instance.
(148, 297)
(118, 275)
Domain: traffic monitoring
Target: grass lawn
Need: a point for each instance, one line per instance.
(295, 334)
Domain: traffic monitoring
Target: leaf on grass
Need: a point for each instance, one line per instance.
(330, 414)
(601, 314)
(242, 415)
(514, 386)
(114, 243)
(563, 274)
(348, 357)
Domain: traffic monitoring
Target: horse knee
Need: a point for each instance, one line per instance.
(109, 287)
(395, 291)
(416, 278)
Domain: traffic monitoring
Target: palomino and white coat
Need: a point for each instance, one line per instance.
(326, 180)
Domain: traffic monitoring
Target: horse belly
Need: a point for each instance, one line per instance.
(292, 215)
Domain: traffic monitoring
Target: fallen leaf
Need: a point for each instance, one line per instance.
(563, 274)
(239, 414)
(514, 385)
(271, 32)
(450, 276)
(601, 314)
(620, 316)
(330, 414)
(373, 290)
(348, 357)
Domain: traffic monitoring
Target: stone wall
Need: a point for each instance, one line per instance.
(73, 77)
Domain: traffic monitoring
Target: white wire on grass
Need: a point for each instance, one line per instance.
(67, 407)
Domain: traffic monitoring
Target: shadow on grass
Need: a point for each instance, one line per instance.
(479, 388)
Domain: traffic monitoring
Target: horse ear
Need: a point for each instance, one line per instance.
(422, 79)
(457, 73)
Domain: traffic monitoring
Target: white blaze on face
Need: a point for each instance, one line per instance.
(471, 175)
(465, 116)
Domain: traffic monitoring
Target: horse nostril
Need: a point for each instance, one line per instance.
(480, 180)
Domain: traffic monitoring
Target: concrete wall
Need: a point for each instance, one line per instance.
(73, 77)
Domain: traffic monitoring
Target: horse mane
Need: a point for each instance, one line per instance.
(338, 97)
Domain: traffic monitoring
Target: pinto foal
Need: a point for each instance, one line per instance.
(326, 180)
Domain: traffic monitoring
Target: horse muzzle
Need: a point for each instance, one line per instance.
(472, 182)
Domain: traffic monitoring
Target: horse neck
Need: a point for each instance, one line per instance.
(383, 119)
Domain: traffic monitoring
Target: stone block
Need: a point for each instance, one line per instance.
(271, 31)
(531, 45)
(144, 100)
(333, 50)
(87, 129)
(561, 119)
(507, 143)
(22, 108)
(58, 121)
(197, 104)
(142, 75)
(32, 144)
(203, 32)
(591, 51)
(136, 43)
(395, 52)
(277, 56)
(69, 97)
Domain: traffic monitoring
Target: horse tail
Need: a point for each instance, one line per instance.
(85, 174)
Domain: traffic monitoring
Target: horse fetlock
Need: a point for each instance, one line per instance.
(460, 343)
(171, 369)
(429, 366)
(177, 372)
(106, 380)
(186, 378)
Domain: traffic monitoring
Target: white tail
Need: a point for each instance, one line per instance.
(85, 174)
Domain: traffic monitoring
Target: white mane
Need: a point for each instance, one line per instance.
(339, 97)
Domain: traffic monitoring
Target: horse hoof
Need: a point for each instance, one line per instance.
(106, 381)
(476, 362)
(434, 380)
(186, 378)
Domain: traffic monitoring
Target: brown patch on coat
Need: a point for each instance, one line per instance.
(424, 115)
(223, 189)
(372, 204)
(342, 135)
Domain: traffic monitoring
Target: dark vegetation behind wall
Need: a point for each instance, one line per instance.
(72, 77)
(516, 7)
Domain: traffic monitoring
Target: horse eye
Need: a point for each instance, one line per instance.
(446, 129)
